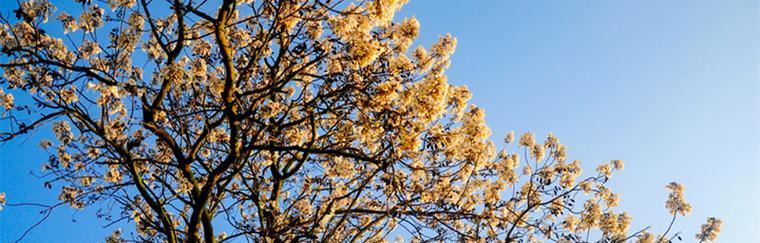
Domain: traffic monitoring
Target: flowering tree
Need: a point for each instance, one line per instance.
(284, 121)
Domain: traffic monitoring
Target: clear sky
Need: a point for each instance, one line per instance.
(670, 87)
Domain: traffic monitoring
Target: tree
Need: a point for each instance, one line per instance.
(285, 121)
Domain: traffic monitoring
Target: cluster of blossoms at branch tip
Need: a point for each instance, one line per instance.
(2, 200)
(709, 231)
(6, 100)
(676, 202)
(115, 237)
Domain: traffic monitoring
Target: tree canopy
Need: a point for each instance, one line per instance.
(285, 121)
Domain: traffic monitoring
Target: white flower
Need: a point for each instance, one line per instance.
(709, 230)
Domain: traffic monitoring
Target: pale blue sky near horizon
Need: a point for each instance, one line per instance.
(670, 87)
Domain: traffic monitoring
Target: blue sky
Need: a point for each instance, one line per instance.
(670, 87)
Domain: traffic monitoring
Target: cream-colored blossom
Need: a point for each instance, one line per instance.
(537, 152)
(676, 202)
(6, 100)
(62, 132)
(91, 19)
(37, 9)
(2, 200)
(527, 140)
(88, 49)
(69, 94)
(604, 169)
(617, 164)
(709, 231)
(570, 223)
(645, 237)
(510, 137)
(113, 175)
(69, 23)
(121, 3)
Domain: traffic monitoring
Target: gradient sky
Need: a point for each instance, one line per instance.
(670, 87)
